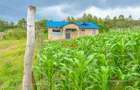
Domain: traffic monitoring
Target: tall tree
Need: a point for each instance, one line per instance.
(114, 18)
(107, 18)
(121, 17)
(21, 23)
(130, 17)
(41, 25)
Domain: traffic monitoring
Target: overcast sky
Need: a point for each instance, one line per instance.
(59, 9)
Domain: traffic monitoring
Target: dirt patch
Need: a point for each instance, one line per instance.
(1, 35)
(8, 48)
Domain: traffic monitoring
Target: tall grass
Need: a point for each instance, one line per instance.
(11, 67)
(109, 61)
(14, 34)
(12, 48)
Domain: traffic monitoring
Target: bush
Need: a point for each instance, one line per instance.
(103, 28)
(16, 33)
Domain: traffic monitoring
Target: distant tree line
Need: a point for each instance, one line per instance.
(17, 30)
(104, 23)
(121, 22)
(21, 24)
(107, 23)
(90, 18)
(4, 25)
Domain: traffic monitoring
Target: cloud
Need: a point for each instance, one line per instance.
(53, 12)
(16, 9)
(59, 12)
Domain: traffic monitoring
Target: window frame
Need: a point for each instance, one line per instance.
(83, 30)
(56, 30)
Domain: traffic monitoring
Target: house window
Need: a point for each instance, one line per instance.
(71, 29)
(56, 32)
(83, 30)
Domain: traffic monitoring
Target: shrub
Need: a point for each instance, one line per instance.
(16, 33)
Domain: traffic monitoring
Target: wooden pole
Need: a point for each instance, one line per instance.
(28, 59)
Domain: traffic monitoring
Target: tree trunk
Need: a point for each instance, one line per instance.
(28, 59)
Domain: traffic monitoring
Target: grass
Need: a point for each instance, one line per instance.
(11, 63)
(109, 61)
(12, 48)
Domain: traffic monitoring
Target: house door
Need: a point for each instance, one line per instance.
(67, 35)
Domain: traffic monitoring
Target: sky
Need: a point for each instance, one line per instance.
(13, 10)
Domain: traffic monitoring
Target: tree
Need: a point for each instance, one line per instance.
(89, 18)
(114, 18)
(41, 25)
(95, 19)
(68, 18)
(121, 17)
(5, 25)
(130, 18)
(100, 20)
(21, 23)
(107, 18)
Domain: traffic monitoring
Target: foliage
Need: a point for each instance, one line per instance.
(89, 18)
(106, 23)
(122, 22)
(103, 28)
(109, 61)
(16, 33)
(41, 25)
(4, 25)
(21, 23)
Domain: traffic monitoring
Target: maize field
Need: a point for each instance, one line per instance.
(108, 61)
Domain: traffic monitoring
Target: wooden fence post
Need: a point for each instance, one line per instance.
(28, 59)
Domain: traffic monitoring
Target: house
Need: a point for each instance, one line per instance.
(60, 30)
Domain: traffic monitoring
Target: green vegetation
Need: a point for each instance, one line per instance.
(109, 61)
(93, 19)
(12, 47)
(14, 34)
(108, 23)
(4, 25)
(11, 64)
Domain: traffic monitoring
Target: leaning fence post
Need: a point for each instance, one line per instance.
(29, 52)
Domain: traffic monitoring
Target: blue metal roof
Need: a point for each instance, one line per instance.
(88, 26)
(60, 24)
(56, 24)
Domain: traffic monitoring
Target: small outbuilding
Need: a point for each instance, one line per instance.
(60, 30)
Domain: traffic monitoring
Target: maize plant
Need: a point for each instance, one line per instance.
(108, 61)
